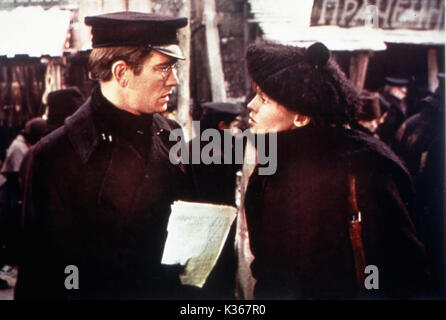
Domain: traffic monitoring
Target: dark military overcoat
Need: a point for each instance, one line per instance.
(91, 201)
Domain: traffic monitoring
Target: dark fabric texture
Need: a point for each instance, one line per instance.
(10, 208)
(419, 132)
(304, 81)
(387, 130)
(298, 218)
(216, 183)
(61, 104)
(94, 200)
(420, 141)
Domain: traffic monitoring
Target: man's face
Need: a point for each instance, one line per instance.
(148, 92)
(398, 92)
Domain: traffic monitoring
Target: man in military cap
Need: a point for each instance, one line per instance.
(393, 108)
(216, 183)
(219, 115)
(99, 188)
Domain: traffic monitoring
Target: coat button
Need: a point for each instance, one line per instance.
(159, 132)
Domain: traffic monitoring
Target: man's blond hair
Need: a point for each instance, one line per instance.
(101, 60)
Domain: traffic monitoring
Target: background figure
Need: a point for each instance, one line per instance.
(393, 109)
(216, 183)
(3, 202)
(299, 218)
(420, 143)
(219, 116)
(61, 104)
(369, 113)
(420, 131)
(10, 211)
(31, 133)
(2, 159)
(416, 93)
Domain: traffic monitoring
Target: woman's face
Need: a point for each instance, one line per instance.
(268, 115)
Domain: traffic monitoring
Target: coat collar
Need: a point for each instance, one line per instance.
(85, 135)
(82, 131)
(313, 142)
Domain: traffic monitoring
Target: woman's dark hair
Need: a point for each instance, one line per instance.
(306, 81)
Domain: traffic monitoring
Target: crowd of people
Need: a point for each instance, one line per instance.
(411, 121)
(359, 180)
(61, 104)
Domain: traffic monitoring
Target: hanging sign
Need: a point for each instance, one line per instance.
(383, 14)
(12, 4)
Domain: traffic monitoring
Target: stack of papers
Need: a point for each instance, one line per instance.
(196, 235)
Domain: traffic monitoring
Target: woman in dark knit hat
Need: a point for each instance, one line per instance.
(303, 220)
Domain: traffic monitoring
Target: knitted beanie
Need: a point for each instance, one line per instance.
(305, 81)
